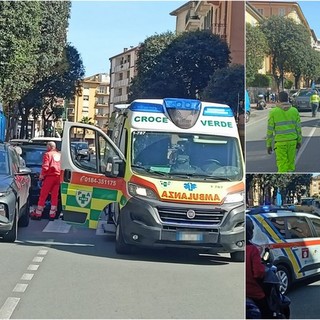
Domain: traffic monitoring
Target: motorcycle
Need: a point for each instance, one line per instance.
(261, 104)
(278, 303)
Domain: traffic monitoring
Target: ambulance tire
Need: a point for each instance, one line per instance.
(237, 256)
(285, 277)
(121, 246)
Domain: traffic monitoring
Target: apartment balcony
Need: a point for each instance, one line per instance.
(192, 21)
(101, 94)
(101, 104)
(120, 99)
(121, 83)
(121, 67)
(101, 115)
(202, 7)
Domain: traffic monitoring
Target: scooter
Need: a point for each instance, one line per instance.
(261, 104)
(279, 304)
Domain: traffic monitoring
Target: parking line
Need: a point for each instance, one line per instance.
(8, 307)
(33, 267)
(20, 287)
(27, 276)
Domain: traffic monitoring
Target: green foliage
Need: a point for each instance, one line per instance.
(261, 80)
(288, 84)
(288, 43)
(256, 48)
(86, 120)
(183, 68)
(226, 86)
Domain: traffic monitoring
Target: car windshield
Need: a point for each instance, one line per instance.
(4, 165)
(33, 157)
(304, 93)
(81, 145)
(186, 155)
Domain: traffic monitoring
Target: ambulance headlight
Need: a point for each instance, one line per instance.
(136, 190)
(234, 197)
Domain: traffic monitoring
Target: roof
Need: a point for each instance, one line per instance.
(287, 214)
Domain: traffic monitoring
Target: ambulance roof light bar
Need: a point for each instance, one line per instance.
(216, 111)
(140, 106)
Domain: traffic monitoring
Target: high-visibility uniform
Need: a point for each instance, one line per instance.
(284, 129)
(51, 182)
(314, 102)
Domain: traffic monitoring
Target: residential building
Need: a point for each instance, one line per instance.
(256, 11)
(122, 70)
(91, 101)
(224, 18)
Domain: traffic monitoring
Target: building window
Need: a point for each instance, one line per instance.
(260, 11)
(128, 74)
(85, 98)
(119, 92)
(282, 12)
(120, 76)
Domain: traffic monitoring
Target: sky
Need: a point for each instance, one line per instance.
(102, 29)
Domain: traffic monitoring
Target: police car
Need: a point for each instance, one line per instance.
(293, 239)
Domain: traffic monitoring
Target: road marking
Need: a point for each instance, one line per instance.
(42, 252)
(37, 259)
(20, 287)
(27, 276)
(33, 267)
(8, 307)
(57, 226)
(305, 143)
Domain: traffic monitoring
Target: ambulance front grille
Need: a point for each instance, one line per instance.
(203, 217)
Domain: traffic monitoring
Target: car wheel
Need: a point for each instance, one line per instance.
(237, 256)
(121, 246)
(11, 236)
(24, 219)
(285, 278)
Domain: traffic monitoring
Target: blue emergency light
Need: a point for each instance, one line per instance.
(213, 111)
(146, 107)
(182, 104)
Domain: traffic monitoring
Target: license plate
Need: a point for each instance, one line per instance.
(188, 236)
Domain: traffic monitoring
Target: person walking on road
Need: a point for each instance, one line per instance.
(314, 102)
(284, 130)
(50, 177)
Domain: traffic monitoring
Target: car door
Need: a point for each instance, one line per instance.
(85, 189)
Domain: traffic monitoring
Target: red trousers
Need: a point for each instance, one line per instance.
(49, 184)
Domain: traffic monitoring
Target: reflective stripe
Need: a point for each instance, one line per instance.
(282, 123)
(270, 136)
(270, 128)
(285, 131)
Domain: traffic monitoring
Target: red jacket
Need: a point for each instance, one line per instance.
(51, 163)
(255, 272)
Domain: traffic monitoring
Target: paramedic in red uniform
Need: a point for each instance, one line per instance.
(50, 176)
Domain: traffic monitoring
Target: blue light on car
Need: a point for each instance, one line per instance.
(266, 208)
(182, 104)
(146, 107)
(217, 111)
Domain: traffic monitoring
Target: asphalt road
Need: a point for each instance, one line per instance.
(55, 270)
(305, 299)
(257, 159)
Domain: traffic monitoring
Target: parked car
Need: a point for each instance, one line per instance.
(302, 99)
(15, 183)
(32, 154)
(45, 140)
(81, 149)
(292, 94)
(294, 242)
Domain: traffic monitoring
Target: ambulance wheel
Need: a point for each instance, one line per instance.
(285, 278)
(121, 246)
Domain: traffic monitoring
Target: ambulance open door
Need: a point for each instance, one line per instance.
(92, 173)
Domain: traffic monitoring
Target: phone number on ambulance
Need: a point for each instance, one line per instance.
(98, 181)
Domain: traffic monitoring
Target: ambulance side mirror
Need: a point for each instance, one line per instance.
(113, 167)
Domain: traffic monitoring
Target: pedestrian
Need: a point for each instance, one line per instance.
(284, 130)
(314, 102)
(255, 272)
(50, 177)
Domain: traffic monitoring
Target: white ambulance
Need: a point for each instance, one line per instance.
(171, 175)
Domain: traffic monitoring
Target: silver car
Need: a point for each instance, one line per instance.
(15, 184)
(302, 99)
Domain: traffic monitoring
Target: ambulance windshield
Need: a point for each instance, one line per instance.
(186, 155)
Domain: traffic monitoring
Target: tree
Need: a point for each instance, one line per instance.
(86, 120)
(183, 69)
(256, 48)
(226, 86)
(288, 43)
(61, 84)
